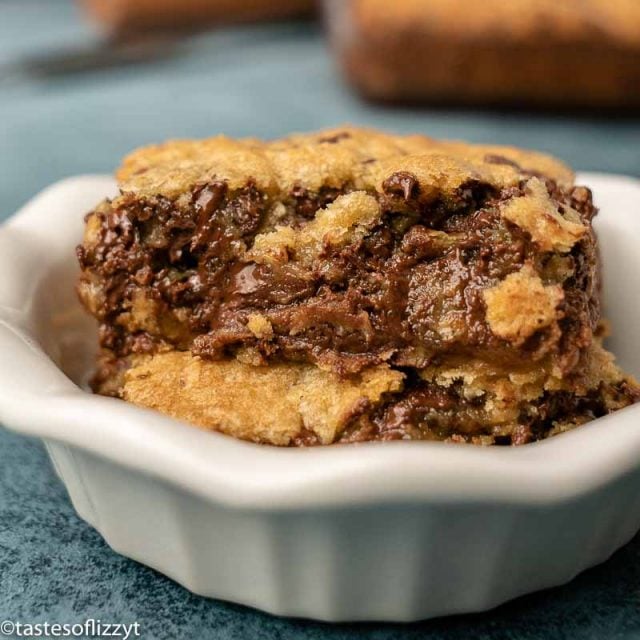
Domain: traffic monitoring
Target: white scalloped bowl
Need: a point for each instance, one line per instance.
(381, 531)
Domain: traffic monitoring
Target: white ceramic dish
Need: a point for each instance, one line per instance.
(394, 531)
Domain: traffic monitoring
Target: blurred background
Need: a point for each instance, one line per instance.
(82, 83)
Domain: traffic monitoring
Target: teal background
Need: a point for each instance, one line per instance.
(258, 81)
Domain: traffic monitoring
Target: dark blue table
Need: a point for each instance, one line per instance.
(263, 81)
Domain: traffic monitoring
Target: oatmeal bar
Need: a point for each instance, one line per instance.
(530, 52)
(431, 289)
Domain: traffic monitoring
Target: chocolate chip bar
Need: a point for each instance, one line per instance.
(351, 285)
(540, 53)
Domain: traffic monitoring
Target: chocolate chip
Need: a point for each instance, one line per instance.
(498, 159)
(401, 183)
(244, 280)
(342, 135)
(209, 197)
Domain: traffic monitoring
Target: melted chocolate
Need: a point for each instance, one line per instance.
(409, 290)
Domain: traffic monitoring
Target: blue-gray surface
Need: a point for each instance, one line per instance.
(255, 81)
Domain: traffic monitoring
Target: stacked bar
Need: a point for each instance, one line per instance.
(350, 285)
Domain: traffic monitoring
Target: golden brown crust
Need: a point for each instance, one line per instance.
(363, 158)
(273, 404)
(538, 215)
